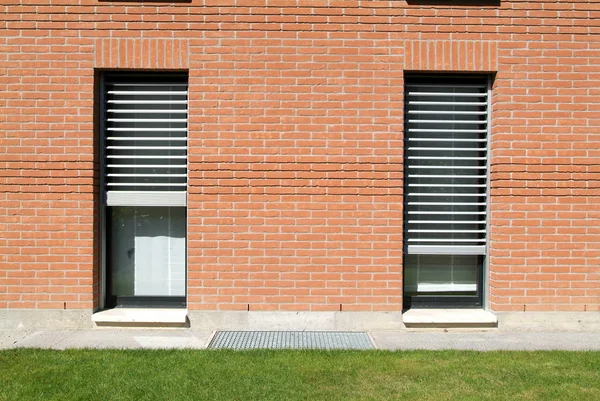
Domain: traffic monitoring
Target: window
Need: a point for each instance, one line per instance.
(144, 180)
(445, 197)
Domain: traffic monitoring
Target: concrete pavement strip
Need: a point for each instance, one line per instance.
(487, 340)
(386, 340)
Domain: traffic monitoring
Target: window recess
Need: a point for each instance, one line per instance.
(445, 201)
(144, 181)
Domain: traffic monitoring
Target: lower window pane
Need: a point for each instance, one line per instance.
(147, 251)
(441, 275)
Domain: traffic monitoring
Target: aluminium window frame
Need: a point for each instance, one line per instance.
(482, 298)
(100, 98)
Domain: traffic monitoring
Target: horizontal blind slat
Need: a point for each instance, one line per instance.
(421, 148)
(144, 157)
(424, 212)
(444, 231)
(144, 175)
(439, 103)
(415, 166)
(449, 185)
(146, 198)
(450, 86)
(147, 120)
(446, 203)
(445, 194)
(422, 139)
(146, 111)
(446, 176)
(446, 112)
(137, 101)
(453, 94)
(145, 138)
(445, 158)
(147, 147)
(145, 184)
(446, 249)
(445, 239)
(446, 221)
(435, 121)
(132, 92)
(170, 166)
(137, 129)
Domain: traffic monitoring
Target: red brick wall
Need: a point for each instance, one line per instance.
(295, 151)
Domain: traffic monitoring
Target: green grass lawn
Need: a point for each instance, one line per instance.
(31, 374)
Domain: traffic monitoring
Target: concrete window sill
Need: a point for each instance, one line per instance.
(442, 318)
(143, 317)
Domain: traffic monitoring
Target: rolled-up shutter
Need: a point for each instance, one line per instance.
(446, 133)
(145, 140)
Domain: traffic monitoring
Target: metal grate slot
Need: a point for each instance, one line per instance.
(240, 340)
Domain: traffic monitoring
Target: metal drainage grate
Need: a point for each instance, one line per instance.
(290, 340)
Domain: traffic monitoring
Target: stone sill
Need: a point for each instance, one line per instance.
(141, 317)
(448, 318)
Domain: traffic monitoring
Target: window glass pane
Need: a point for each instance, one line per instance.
(121, 257)
(147, 251)
(441, 274)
